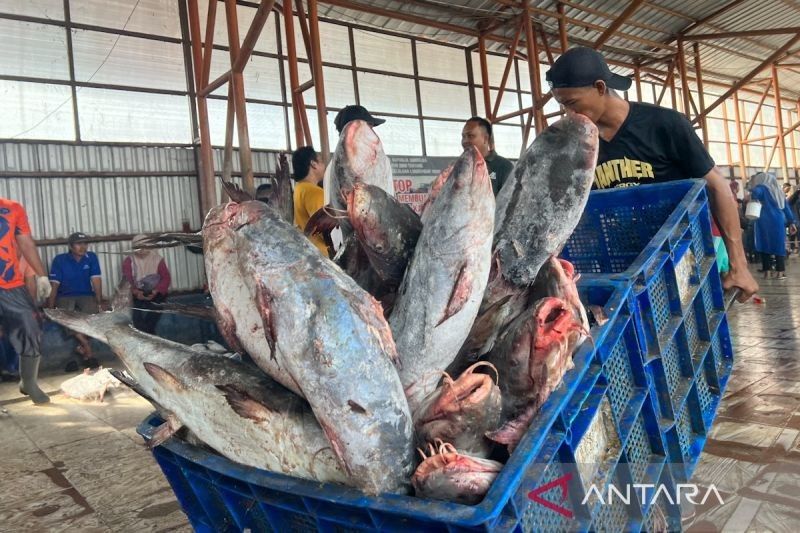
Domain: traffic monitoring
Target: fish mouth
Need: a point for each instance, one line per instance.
(554, 321)
(470, 389)
(445, 455)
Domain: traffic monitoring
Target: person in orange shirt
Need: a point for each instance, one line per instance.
(9, 369)
(308, 195)
(17, 309)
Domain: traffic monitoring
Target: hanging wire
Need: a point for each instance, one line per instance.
(69, 98)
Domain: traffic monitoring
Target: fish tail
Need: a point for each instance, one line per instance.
(94, 326)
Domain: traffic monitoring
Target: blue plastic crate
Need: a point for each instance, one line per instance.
(219, 495)
(647, 257)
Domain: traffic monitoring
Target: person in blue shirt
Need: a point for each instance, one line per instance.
(77, 286)
(770, 227)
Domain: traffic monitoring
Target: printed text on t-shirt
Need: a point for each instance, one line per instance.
(616, 170)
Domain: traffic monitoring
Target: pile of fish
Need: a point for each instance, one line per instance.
(416, 359)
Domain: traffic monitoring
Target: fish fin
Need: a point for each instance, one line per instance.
(512, 431)
(236, 193)
(165, 431)
(268, 319)
(245, 405)
(227, 327)
(462, 288)
(164, 377)
(322, 221)
(130, 383)
(336, 446)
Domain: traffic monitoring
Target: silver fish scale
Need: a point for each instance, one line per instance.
(542, 202)
(329, 335)
(457, 237)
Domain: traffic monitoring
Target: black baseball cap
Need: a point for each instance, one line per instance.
(355, 112)
(581, 67)
(77, 237)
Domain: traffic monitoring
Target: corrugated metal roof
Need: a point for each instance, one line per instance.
(656, 21)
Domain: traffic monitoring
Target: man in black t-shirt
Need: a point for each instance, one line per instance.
(478, 133)
(643, 143)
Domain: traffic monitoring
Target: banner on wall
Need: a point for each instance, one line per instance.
(413, 176)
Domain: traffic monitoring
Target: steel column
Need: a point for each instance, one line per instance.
(237, 80)
(533, 68)
(684, 79)
(487, 98)
(698, 74)
(319, 83)
(779, 124)
(206, 170)
(737, 120)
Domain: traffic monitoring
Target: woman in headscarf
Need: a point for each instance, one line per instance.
(149, 278)
(770, 227)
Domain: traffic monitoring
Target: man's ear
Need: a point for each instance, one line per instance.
(601, 87)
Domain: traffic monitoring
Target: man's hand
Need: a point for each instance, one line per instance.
(742, 280)
(139, 295)
(43, 288)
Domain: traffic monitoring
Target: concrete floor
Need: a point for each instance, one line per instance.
(73, 466)
(753, 451)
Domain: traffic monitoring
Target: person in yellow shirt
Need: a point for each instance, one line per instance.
(308, 195)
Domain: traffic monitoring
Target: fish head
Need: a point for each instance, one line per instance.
(554, 322)
(226, 218)
(550, 279)
(362, 148)
(470, 171)
(446, 474)
(575, 137)
(386, 229)
(473, 400)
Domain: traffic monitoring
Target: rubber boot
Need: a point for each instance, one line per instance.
(29, 372)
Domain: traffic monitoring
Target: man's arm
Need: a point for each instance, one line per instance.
(27, 247)
(723, 208)
(97, 287)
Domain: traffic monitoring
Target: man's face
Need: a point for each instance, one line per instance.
(587, 101)
(473, 134)
(79, 248)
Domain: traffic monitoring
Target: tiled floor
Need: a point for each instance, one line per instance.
(752, 455)
(73, 466)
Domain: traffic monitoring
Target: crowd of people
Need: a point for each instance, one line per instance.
(770, 231)
(74, 283)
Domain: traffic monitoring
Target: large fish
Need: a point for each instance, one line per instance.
(444, 283)
(461, 412)
(532, 356)
(386, 229)
(229, 405)
(358, 158)
(307, 323)
(544, 197)
(537, 209)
